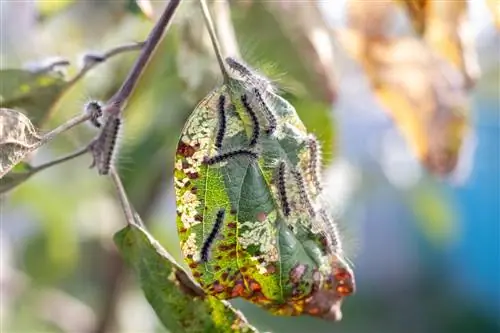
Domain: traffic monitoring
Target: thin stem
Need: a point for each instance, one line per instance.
(122, 196)
(60, 160)
(215, 42)
(93, 60)
(64, 127)
(154, 38)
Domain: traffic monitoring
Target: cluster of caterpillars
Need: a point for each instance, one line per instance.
(255, 105)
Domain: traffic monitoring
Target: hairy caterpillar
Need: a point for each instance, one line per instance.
(231, 154)
(255, 121)
(205, 249)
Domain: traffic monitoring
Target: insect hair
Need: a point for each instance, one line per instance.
(271, 118)
(94, 109)
(205, 249)
(107, 144)
(248, 74)
(281, 186)
(314, 165)
(222, 122)
(303, 192)
(332, 232)
(228, 155)
(255, 120)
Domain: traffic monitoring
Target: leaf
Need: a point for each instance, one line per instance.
(17, 175)
(423, 90)
(18, 137)
(238, 236)
(35, 91)
(180, 307)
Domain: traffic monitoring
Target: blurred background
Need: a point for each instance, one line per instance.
(381, 83)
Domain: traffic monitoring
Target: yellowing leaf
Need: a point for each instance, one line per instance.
(444, 26)
(421, 86)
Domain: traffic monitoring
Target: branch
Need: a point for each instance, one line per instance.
(215, 42)
(92, 60)
(60, 160)
(64, 127)
(122, 196)
(120, 97)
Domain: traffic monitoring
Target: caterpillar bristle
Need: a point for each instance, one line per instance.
(94, 109)
(248, 74)
(332, 231)
(213, 234)
(255, 120)
(222, 122)
(281, 186)
(228, 155)
(303, 192)
(108, 139)
(314, 165)
(271, 118)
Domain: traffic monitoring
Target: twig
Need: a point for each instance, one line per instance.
(64, 127)
(215, 42)
(90, 60)
(120, 97)
(60, 160)
(122, 196)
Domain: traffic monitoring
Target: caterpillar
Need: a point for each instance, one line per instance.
(304, 195)
(268, 113)
(231, 154)
(222, 122)
(314, 166)
(205, 249)
(281, 186)
(247, 74)
(255, 121)
(107, 148)
(94, 109)
(331, 227)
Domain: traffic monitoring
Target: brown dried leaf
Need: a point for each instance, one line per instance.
(18, 137)
(423, 90)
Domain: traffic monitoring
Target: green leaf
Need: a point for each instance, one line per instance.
(178, 301)
(288, 261)
(18, 137)
(17, 175)
(35, 92)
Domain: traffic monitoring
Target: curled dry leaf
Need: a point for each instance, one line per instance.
(18, 137)
(421, 88)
